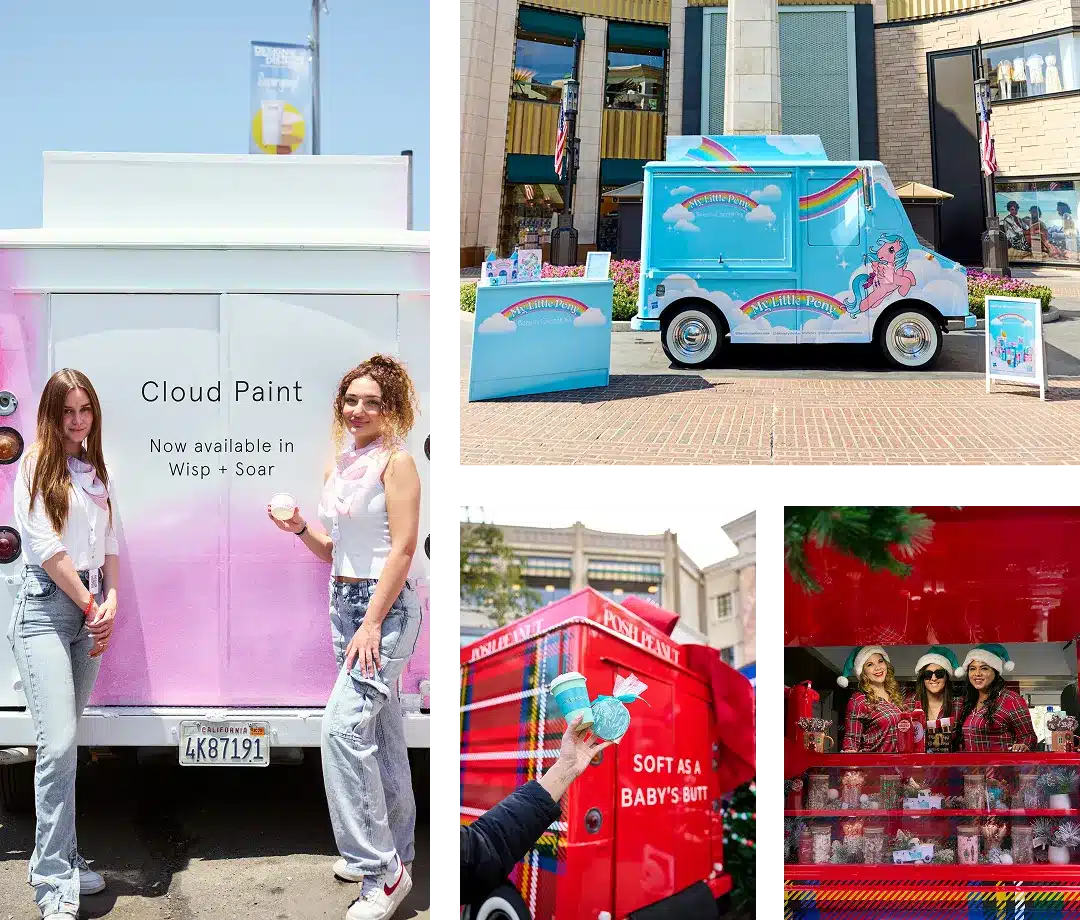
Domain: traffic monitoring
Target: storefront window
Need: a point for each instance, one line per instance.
(607, 221)
(542, 65)
(1040, 67)
(635, 79)
(1039, 219)
(530, 212)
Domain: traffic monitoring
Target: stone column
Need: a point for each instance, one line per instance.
(676, 64)
(498, 107)
(752, 81)
(592, 74)
(579, 565)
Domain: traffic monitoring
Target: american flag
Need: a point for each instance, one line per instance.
(987, 154)
(560, 138)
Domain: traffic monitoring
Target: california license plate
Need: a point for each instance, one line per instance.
(231, 743)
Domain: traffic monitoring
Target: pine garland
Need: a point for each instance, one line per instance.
(880, 537)
(740, 845)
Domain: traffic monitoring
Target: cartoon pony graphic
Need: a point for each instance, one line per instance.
(885, 275)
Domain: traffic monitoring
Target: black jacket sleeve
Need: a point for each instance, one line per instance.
(500, 837)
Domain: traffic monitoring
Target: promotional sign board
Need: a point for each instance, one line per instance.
(598, 265)
(540, 336)
(1014, 342)
(280, 98)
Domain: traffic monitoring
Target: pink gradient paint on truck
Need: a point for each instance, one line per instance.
(215, 349)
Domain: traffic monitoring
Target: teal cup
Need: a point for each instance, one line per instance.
(572, 696)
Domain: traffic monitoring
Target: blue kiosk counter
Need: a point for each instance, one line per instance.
(541, 336)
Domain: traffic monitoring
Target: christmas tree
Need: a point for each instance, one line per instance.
(740, 821)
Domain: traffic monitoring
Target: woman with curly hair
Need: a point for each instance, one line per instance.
(873, 712)
(369, 514)
(993, 717)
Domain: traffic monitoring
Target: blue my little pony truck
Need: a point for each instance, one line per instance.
(764, 239)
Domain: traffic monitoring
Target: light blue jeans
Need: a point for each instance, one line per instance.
(51, 644)
(364, 756)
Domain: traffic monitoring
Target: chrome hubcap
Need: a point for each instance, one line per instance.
(690, 337)
(911, 338)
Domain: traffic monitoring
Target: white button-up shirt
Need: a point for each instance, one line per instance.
(85, 519)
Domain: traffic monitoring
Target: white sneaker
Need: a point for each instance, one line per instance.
(343, 872)
(90, 882)
(381, 895)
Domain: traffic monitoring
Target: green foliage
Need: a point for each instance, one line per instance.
(740, 848)
(877, 536)
(624, 302)
(981, 284)
(491, 577)
(468, 296)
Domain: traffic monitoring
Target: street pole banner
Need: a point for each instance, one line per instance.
(280, 98)
(1014, 342)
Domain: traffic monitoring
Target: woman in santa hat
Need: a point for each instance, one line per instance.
(993, 717)
(874, 710)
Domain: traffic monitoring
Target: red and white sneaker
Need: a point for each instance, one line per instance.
(381, 895)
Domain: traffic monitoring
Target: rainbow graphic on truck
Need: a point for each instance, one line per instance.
(783, 301)
(535, 304)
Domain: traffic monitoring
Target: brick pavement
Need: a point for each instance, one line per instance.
(673, 419)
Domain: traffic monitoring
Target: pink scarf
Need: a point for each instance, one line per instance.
(357, 471)
(85, 477)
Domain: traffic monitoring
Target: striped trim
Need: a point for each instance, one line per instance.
(513, 755)
(658, 11)
(506, 698)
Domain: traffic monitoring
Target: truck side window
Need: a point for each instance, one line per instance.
(838, 228)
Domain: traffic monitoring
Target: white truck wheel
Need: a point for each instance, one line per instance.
(910, 338)
(504, 903)
(691, 336)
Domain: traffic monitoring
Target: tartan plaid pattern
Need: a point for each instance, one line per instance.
(870, 727)
(1009, 725)
(515, 725)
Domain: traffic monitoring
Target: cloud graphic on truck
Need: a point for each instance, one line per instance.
(687, 226)
(681, 190)
(769, 193)
(677, 213)
(762, 214)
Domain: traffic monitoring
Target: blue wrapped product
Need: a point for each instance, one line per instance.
(611, 718)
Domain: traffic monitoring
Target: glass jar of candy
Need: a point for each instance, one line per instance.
(851, 786)
(822, 843)
(1023, 851)
(975, 791)
(853, 837)
(889, 794)
(817, 794)
(806, 847)
(874, 845)
(967, 844)
(1027, 792)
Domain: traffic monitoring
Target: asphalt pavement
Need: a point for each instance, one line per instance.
(179, 843)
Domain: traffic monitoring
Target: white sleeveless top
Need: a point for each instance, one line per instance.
(353, 511)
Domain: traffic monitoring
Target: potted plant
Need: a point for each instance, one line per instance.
(1059, 783)
(1042, 833)
(1066, 835)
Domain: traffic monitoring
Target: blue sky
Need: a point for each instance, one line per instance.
(119, 75)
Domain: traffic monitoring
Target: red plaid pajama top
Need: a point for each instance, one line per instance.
(1011, 724)
(870, 725)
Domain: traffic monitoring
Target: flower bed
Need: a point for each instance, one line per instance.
(626, 274)
(981, 284)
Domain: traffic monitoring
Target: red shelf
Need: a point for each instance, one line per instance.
(944, 761)
(934, 813)
(859, 875)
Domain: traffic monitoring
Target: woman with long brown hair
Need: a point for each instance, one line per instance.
(874, 710)
(369, 515)
(63, 617)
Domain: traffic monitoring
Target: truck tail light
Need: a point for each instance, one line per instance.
(10, 545)
(11, 445)
(593, 820)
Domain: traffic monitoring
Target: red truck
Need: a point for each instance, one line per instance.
(641, 832)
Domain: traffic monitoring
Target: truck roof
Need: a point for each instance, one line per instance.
(735, 151)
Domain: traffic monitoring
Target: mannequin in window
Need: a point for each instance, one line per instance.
(1053, 75)
(1004, 78)
(1019, 75)
(1035, 73)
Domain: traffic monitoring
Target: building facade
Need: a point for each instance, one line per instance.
(516, 57)
(827, 84)
(558, 561)
(927, 58)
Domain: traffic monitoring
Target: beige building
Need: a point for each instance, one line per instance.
(558, 561)
(926, 60)
(515, 58)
